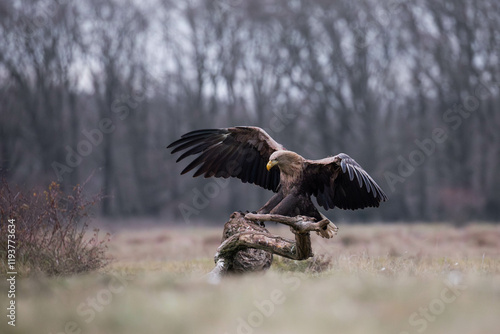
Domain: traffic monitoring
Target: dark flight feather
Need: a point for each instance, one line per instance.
(241, 152)
(244, 151)
(350, 186)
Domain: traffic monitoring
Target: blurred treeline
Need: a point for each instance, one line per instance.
(410, 89)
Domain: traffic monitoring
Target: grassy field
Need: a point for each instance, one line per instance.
(368, 279)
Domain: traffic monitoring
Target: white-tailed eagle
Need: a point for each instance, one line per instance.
(251, 155)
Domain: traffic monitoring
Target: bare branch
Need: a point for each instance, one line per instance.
(299, 224)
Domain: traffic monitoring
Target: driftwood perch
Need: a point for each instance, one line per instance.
(247, 246)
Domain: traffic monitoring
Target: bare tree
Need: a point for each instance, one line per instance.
(372, 79)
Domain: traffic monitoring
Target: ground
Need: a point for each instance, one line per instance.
(368, 279)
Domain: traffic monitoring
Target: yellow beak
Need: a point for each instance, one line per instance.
(271, 164)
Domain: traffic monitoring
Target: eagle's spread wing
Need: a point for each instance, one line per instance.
(341, 182)
(241, 152)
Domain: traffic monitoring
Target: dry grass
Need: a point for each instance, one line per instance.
(369, 279)
(50, 230)
(411, 250)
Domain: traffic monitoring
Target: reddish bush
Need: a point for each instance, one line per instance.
(51, 231)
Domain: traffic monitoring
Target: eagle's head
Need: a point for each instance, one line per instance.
(288, 161)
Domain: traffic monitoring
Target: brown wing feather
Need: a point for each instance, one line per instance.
(341, 182)
(240, 152)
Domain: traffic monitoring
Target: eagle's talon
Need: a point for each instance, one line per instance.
(289, 179)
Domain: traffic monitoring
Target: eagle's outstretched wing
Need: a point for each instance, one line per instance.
(341, 182)
(241, 151)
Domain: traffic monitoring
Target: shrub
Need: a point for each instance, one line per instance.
(51, 231)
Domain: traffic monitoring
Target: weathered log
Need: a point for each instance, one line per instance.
(248, 247)
(239, 259)
(243, 259)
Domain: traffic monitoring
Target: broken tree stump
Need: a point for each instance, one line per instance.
(247, 246)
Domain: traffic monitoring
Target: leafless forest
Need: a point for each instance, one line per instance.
(410, 89)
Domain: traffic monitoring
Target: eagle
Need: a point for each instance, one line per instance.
(251, 155)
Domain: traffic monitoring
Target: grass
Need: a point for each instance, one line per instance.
(368, 279)
(47, 230)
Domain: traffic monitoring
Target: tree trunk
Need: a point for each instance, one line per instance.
(247, 246)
